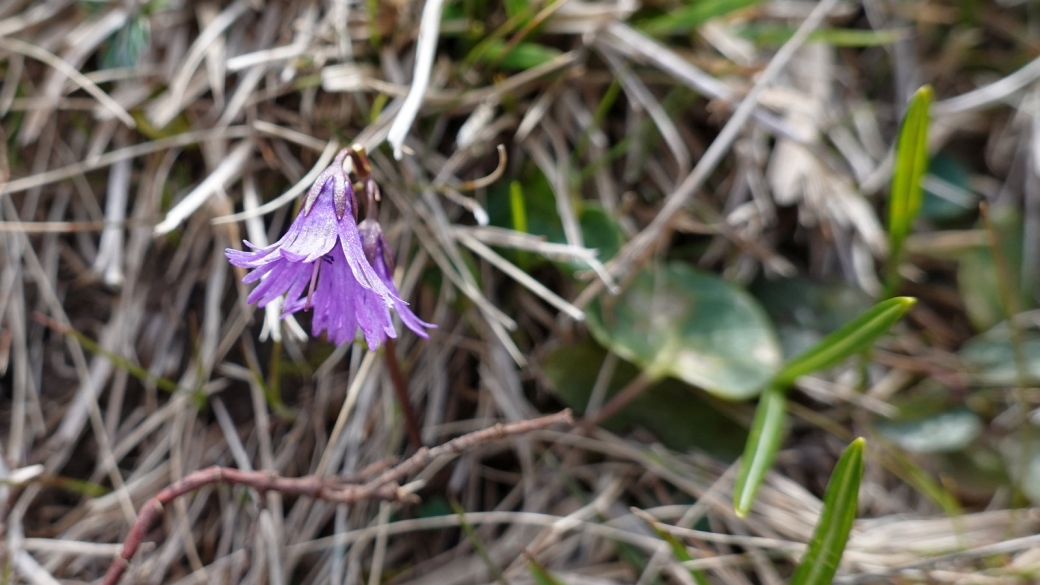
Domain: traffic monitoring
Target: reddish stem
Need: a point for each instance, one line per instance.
(385, 486)
(401, 390)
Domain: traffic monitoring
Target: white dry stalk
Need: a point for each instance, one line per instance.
(557, 173)
(73, 170)
(303, 37)
(109, 260)
(727, 42)
(989, 94)
(647, 543)
(379, 552)
(482, 115)
(797, 175)
(227, 171)
(635, 251)
(38, 13)
(75, 547)
(170, 104)
(267, 56)
(425, 50)
(635, 45)
(520, 276)
(637, 91)
(29, 50)
(356, 384)
(81, 42)
(26, 566)
(289, 196)
(15, 67)
(215, 54)
(227, 428)
(245, 90)
(272, 540)
(290, 135)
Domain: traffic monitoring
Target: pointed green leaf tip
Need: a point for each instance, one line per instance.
(763, 442)
(911, 165)
(851, 339)
(768, 426)
(821, 560)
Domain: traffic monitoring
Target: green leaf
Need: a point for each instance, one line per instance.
(521, 57)
(991, 357)
(911, 165)
(804, 312)
(679, 417)
(982, 285)
(820, 562)
(679, 552)
(117, 360)
(948, 198)
(540, 574)
(693, 15)
(849, 340)
(600, 232)
(675, 321)
(764, 441)
(1022, 461)
(526, 205)
(774, 35)
(941, 432)
(476, 542)
(124, 47)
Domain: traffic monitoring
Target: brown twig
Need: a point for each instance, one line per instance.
(386, 486)
(633, 390)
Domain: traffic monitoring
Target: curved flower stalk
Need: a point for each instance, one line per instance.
(321, 263)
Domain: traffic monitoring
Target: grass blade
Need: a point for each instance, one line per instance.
(762, 445)
(539, 573)
(820, 562)
(693, 15)
(851, 339)
(911, 165)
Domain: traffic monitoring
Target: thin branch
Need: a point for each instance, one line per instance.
(386, 486)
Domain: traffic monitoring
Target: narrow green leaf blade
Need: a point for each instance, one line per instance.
(540, 574)
(692, 15)
(820, 562)
(911, 165)
(853, 338)
(679, 552)
(762, 444)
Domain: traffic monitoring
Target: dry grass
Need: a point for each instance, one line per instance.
(124, 181)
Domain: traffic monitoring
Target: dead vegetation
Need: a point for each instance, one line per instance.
(144, 138)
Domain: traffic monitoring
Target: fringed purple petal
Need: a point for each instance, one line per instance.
(333, 302)
(282, 277)
(359, 265)
(247, 259)
(418, 326)
(378, 254)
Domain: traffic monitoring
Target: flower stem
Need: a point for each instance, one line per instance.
(401, 390)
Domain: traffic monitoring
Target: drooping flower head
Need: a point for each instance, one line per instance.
(377, 251)
(320, 263)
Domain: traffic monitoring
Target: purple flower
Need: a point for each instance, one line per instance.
(320, 263)
(382, 261)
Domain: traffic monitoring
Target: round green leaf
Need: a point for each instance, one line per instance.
(945, 431)
(675, 321)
